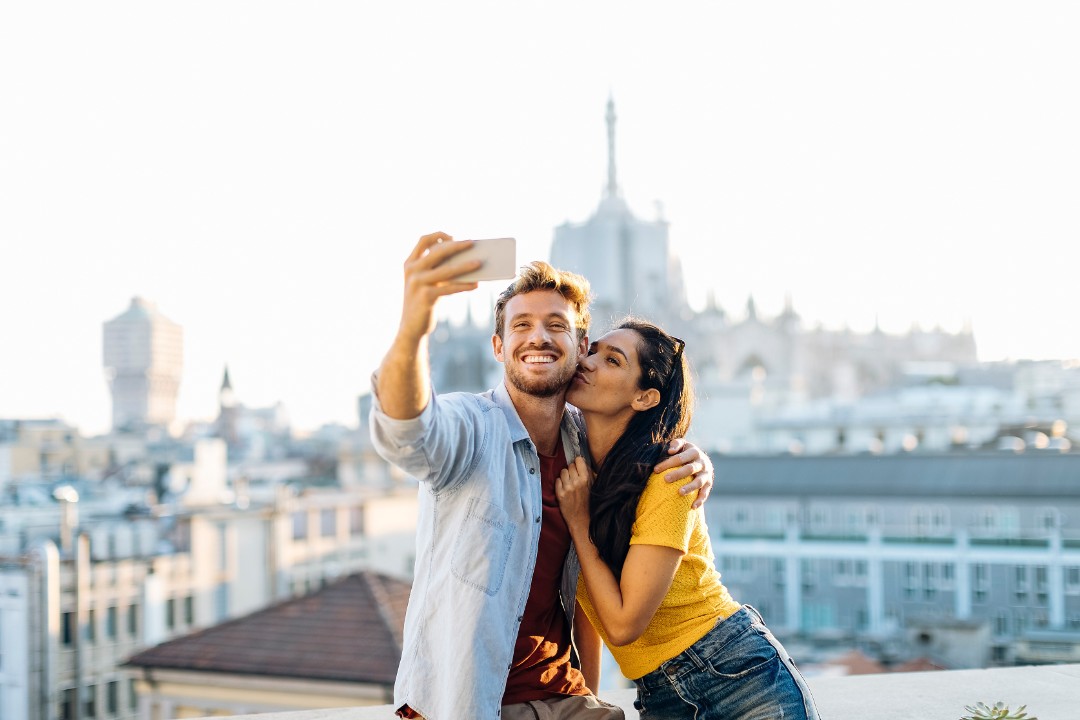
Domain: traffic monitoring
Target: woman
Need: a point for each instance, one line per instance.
(649, 585)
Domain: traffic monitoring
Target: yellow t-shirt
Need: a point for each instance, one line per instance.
(697, 599)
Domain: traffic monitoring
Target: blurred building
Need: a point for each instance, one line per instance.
(747, 366)
(144, 359)
(252, 434)
(91, 572)
(966, 558)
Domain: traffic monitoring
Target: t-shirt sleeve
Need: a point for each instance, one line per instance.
(664, 516)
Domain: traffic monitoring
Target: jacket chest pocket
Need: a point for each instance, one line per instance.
(483, 547)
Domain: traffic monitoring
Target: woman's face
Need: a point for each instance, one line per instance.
(608, 376)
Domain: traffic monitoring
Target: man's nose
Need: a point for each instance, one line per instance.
(539, 335)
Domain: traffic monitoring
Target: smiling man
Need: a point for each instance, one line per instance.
(492, 613)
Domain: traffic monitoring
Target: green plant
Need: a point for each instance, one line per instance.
(1000, 711)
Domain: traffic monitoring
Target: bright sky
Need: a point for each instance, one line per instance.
(261, 169)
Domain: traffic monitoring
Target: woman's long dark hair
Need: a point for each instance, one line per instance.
(622, 477)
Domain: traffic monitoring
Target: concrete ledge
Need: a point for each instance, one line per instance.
(1051, 692)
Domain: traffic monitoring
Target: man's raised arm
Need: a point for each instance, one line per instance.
(403, 381)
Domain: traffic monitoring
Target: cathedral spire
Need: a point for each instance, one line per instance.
(612, 185)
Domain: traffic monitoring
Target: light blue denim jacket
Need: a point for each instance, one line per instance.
(476, 544)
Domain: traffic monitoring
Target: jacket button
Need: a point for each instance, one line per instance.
(532, 471)
(537, 518)
(520, 618)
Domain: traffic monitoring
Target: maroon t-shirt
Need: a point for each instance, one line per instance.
(541, 668)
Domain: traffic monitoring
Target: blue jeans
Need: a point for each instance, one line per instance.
(738, 671)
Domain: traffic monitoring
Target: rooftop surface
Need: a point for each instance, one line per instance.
(954, 475)
(1051, 692)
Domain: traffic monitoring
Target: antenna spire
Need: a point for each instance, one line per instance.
(612, 185)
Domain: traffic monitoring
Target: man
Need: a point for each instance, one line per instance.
(487, 634)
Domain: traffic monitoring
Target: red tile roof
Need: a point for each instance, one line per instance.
(349, 631)
(857, 662)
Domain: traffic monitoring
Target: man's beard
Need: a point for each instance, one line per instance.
(544, 388)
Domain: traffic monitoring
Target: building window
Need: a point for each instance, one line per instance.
(980, 582)
(67, 629)
(1042, 585)
(1072, 580)
(133, 620)
(987, 520)
(939, 518)
(112, 697)
(91, 626)
(1021, 582)
(110, 623)
(170, 613)
(189, 610)
(356, 520)
(328, 522)
(919, 520)
(90, 706)
(1048, 518)
(221, 601)
(299, 525)
(223, 547)
(133, 697)
(67, 704)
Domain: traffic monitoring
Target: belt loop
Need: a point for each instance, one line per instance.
(754, 612)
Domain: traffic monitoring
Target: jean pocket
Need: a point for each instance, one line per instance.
(748, 654)
(483, 547)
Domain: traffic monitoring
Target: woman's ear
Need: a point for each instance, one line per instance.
(646, 400)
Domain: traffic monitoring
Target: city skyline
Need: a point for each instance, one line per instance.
(261, 176)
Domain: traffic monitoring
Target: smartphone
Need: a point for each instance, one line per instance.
(499, 256)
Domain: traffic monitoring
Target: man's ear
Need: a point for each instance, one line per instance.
(583, 345)
(646, 400)
(497, 347)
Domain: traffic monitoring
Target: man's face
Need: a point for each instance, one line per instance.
(539, 348)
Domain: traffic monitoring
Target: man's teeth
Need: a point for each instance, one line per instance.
(538, 359)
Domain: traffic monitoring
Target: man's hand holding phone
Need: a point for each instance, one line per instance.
(439, 266)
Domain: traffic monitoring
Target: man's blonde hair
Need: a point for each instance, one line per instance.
(538, 275)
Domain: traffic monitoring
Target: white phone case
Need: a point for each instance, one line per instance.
(499, 256)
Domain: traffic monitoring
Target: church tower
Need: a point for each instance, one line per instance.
(227, 411)
(628, 261)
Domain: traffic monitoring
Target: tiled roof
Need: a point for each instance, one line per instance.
(858, 663)
(349, 631)
(917, 665)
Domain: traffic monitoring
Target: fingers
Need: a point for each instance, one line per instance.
(684, 464)
(425, 242)
(430, 262)
(677, 445)
(702, 496)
